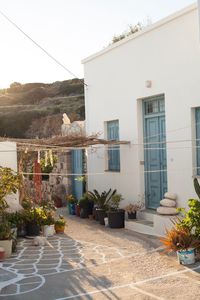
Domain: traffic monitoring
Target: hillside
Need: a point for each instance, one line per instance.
(35, 109)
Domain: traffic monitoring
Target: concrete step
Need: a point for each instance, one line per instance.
(141, 226)
(146, 214)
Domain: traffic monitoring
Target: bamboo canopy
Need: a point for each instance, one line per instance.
(72, 141)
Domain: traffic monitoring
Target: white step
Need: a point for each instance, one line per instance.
(146, 214)
(141, 226)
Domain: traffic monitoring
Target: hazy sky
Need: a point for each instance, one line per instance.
(69, 29)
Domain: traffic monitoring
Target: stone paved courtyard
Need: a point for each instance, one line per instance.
(94, 262)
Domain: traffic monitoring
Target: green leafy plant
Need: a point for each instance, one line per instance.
(15, 219)
(9, 183)
(191, 218)
(61, 221)
(34, 215)
(5, 231)
(115, 201)
(179, 239)
(71, 199)
(84, 202)
(102, 200)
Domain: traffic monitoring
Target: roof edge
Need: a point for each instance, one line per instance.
(152, 27)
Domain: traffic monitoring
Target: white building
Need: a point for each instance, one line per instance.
(146, 89)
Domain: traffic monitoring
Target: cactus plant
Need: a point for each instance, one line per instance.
(197, 187)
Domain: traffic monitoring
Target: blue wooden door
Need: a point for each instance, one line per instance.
(155, 154)
(77, 168)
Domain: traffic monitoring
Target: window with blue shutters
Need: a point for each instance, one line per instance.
(197, 113)
(113, 150)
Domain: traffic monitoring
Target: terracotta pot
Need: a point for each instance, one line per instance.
(2, 254)
(59, 228)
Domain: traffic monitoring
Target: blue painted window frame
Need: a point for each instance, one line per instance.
(113, 150)
(197, 122)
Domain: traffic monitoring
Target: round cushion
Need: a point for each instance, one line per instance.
(170, 196)
(167, 210)
(168, 203)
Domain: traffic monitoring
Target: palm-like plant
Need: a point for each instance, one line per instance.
(101, 200)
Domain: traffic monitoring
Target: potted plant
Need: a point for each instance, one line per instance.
(60, 224)
(132, 209)
(101, 201)
(182, 241)
(33, 218)
(9, 184)
(6, 238)
(116, 215)
(71, 200)
(86, 206)
(48, 222)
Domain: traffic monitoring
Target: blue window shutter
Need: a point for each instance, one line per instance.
(114, 151)
(198, 139)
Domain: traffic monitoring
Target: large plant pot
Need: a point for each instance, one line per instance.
(84, 213)
(116, 219)
(95, 214)
(132, 215)
(48, 230)
(21, 231)
(77, 210)
(7, 246)
(32, 229)
(186, 257)
(59, 228)
(101, 215)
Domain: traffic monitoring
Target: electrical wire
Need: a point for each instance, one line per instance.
(41, 48)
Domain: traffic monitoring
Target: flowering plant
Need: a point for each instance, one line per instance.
(132, 208)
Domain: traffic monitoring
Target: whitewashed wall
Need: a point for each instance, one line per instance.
(168, 54)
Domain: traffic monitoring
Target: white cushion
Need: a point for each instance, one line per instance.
(168, 203)
(167, 210)
(170, 196)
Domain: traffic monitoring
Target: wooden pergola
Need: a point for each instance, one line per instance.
(61, 142)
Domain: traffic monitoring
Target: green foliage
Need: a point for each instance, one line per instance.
(15, 219)
(61, 221)
(84, 202)
(191, 218)
(49, 167)
(5, 231)
(34, 215)
(115, 201)
(47, 217)
(102, 200)
(131, 30)
(9, 183)
(71, 199)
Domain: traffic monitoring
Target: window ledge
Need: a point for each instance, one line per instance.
(111, 171)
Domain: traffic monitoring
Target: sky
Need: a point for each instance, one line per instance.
(70, 30)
